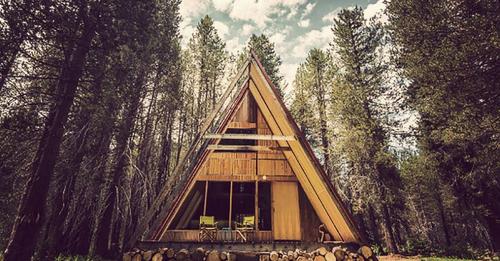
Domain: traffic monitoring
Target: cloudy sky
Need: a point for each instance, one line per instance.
(295, 26)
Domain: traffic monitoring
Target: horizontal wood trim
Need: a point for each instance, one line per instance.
(222, 236)
(244, 178)
(246, 155)
(241, 125)
(248, 137)
(246, 148)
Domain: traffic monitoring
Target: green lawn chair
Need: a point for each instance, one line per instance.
(208, 228)
(245, 229)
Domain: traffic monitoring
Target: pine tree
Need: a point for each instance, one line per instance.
(448, 52)
(361, 138)
(29, 219)
(312, 83)
(271, 61)
(206, 59)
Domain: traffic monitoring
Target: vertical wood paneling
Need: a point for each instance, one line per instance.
(286, 214)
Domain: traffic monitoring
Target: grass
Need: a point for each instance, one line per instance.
(444, 259)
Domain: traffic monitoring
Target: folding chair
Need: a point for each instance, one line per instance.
(208, 228)
(245, 228)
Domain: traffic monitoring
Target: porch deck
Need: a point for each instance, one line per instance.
(222, 236)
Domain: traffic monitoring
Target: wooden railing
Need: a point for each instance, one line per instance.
(222, 236)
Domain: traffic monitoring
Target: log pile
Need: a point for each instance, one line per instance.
(171, 254)
(364, 253)
(322, 254)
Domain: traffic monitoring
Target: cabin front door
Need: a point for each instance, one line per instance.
(286, 215)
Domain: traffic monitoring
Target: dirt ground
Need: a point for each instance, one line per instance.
(398, 257)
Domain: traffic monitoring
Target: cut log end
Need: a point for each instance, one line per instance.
(213, 256)
(330, 257)
(365, 251)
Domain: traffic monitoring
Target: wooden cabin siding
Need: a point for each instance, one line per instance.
(309, 220)
(247, 110)
(241, 166)
(231, 164)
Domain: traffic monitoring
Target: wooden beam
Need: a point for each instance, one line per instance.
(256, 205)
(190, 209)
(248, 137)
(230, 202)
(243, 178)
(245, 148)
(242, 125)
(205, 199)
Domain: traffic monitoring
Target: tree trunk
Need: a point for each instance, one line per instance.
(102, 242)
(373, 225)
(101, 147)
(493, 222)
(165, 155)
(31, 211)
(63, 197)
(388, 232)
(67, 177)
(180, 137)
(442, 216)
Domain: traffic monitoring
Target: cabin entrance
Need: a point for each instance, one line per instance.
(286, 216)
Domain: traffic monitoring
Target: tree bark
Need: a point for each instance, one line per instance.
(32, 208)
(373, 225)
(68, 175)
(102, 242)
(442, 216)
(388, 231)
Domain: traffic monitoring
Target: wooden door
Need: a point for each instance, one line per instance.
(286, 215)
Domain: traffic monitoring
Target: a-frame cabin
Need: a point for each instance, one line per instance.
(257, 167)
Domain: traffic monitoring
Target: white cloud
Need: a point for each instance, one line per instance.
(260, 11)
(376, 9)
(222, 29)
(304, 23)
(309, 8)
(186, 30)
(247, 29)
(330, 17)
(192, 8)
(222, 5)
(293, 12)
(186, 33)
(312, 39)
(233, 45)
(279, 41)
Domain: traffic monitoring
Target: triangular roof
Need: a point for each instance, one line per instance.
(309, 172)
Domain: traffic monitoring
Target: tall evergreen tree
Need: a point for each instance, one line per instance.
(448, 52)
(271, 61)
(313, 82)
(362, 140)
(205, 59)
(29, 219)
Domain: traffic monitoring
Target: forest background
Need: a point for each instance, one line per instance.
(100, 99)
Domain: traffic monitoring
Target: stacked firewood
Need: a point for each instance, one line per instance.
(170, 254)
(321, 254)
